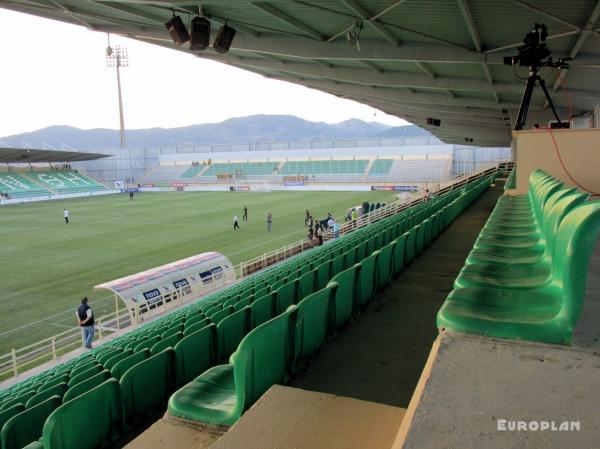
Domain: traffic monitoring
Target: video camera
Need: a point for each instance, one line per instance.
(535, 50)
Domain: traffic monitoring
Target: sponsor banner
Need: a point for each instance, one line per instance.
(119, 185)
(147, 185)
(239, 188)
(396, 188)
(293, 183)
(178, 184)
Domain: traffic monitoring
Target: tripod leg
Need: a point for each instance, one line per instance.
(543, 84)
(525, 102)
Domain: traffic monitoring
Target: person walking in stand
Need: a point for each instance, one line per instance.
(245, 216)
(269, 221)
(66, 215)
(236, 224)
(85, 317)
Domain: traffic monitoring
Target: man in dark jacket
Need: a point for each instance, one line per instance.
(85, 316)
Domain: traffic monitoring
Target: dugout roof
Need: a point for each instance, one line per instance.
(412, 58)
(25, 156)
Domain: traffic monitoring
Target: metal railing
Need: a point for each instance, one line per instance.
(22, 359)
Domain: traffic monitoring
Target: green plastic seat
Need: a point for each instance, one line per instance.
(21, 398)
(119, 369)
(165, 343)
(306, 284)
(55, 390)
(263, 309)
(287, 295)
(197, 326)
(146, 344)
(195, 353)
(26, 427)
(323, 274)
(86, 385)
(230, 332)
(367, 279)
(385, 266)
(243, 303)
(313, 323)
(108, 364)
(146, 386)
(338, 265)
(398, 254)
(8, 413)
(221, 314)
(548, 313)
(85, 375)
(90, 421)
(104, 356)
(196, 318)
(224, 392)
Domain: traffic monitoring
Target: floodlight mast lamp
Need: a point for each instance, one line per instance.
(117, 57)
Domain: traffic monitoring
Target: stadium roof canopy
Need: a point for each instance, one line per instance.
(26, 156)
(411, 58)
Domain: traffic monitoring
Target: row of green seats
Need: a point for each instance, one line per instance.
(511, 181)
(525, 277)
(206, 332)
(277, 349)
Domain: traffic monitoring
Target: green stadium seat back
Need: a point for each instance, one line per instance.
(119, 369)
(146, 386)
(26, 427)
(156, 333)
(385, 266)
(8, 413)
(197, 326)
(287, 295)
(323, 274)
(409, 246)
(313, 323)
(306, 284)
(117, 358)
(263, 309)
(83, 367)
(221, 394)
(243, 303)
(21, 398)
(337, 265)
(367, 279)
(230, 332)
(398, 255)
(55, 390)
(133, 343)
(351, 257)
(209, 312)
(259, 293)
(165, 343)
(225, 312)
(195, 353)
(90, 421)
(346, 295)
(102, 358)
(86, 385)
(146, 344)
(85, 375)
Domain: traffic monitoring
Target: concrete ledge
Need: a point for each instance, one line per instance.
(471, 383)
(291, 418)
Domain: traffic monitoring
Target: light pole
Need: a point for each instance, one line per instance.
(117, 57)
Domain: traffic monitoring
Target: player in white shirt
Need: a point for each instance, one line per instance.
(66, 215)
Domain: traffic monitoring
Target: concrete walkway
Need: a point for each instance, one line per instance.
(380, 356)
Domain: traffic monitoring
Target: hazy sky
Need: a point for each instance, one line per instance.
(55, 74)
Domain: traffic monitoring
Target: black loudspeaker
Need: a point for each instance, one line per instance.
(224, 39)
(200, 37)
(177, 30)
(433, 121)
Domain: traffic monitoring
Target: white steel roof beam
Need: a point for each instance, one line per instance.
(466, 13)
(425, 69)
(364, 15)
(289, 20)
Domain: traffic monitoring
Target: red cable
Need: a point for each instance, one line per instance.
(565, 168)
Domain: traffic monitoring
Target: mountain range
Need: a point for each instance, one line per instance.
(254, 128)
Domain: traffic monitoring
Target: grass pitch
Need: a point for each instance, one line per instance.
(46, 266)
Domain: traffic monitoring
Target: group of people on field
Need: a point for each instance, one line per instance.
(236, 221)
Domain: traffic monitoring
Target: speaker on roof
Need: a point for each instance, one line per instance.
(224, 39)
(177, 30)
(433, 121)
(200, 35)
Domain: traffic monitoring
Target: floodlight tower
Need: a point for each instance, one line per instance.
(117, 57)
